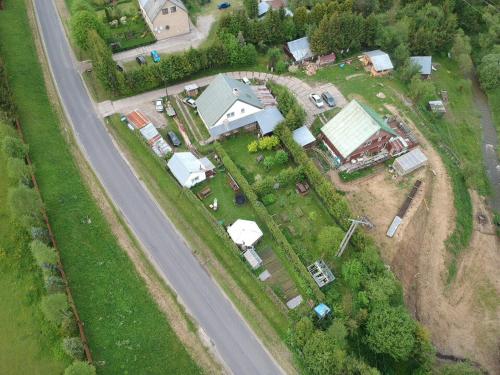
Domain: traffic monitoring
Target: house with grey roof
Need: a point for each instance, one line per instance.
(424, 63)
(188, 170)
(378, 62)
(165, 18)
(357, 131)
(228, 105)
(299, 49)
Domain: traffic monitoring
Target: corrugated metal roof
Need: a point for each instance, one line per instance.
(267, 119)
(138, 119)
(220, 95)
(153, 7)
(410, 161)
(394, 226)
(424, 62)
(380, 60)
(149, 132)
(303, 136)
(263, 8)
(353, 126)
(183, 164)
(253, 258)
(300, 49)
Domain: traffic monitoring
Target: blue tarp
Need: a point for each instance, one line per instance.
(322, 310)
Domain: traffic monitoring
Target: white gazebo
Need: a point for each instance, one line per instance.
(244, 233)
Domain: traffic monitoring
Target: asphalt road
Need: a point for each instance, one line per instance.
(233, 339)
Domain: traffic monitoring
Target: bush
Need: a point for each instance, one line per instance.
(18, 171)
(25, 206)
(269, 162)
(281, 67)
(281, 157)
(253, 147)
(489, 71)
(55, 308)
(81, 23)
(13, 147)
(43, 254)
(40, 233)
(80, 5)
(54, 284)
(80, 368)
(73, 347)
(269, 199)
(264, 186)
(268, 142)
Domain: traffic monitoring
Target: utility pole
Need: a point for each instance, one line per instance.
(350, 232)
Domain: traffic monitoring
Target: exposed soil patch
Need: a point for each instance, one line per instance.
(463, 318)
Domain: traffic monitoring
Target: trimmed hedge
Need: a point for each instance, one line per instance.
(283, 249)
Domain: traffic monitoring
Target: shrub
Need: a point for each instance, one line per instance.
(40, 233)
(81, 23)
(13, 147)
(264, 186)
(268, 142)
(253, 146)
(80, 368)
(329, 239)
(80, 5)
(43, 254)
(25, 206)
(281, 157)
(269, 199)
(489, 71)
(73, 347)
(54, 284)
(55, 308)
(18, 171)
(281, 67)
(269, 162)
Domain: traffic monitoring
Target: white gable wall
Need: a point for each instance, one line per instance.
(239, 109)
(195, 178)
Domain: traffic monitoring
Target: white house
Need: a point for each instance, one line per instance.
(165, 18)
(244, 233)
(189, 170)
(228, 105)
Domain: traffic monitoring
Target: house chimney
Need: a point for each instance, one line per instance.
(236, 92)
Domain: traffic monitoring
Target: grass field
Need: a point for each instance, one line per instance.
(126, 330)
(26, 343)
(170, 196)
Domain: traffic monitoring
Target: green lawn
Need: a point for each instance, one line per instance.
(187, 214)
(26, 343)
(494, 100)
(126, 330)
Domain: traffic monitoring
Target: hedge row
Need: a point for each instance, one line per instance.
(283, 248)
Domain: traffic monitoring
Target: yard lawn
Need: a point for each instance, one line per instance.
(120, 315)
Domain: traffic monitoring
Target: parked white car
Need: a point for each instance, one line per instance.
(316, 99)
(246, 81)
(190, 102)
(159, 105)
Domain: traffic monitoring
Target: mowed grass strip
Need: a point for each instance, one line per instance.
(126, 330)
(185, 217)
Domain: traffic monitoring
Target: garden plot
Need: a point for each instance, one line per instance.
(302, 218)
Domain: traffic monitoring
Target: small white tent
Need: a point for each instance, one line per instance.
(244, 232)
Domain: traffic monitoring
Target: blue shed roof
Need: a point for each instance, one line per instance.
(303, 136)
(322, 310)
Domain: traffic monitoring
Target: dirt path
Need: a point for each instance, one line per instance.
(463, 318)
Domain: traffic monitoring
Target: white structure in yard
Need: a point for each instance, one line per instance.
(252, 258)
(149, 133)
(409, 162)
(244, 233)
(189, 170)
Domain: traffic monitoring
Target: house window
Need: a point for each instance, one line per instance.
(167, 27)
(230, 114)
(164, 11)
(242, 110)
(173, 9)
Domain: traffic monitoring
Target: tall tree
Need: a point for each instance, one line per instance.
(322, 355)
(102, 61)
(252, 8)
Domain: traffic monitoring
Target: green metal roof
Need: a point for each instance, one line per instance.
(220, 95)
(381, 122)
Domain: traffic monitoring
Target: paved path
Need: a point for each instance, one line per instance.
(299, 88)
(179, 43)
(236, 344)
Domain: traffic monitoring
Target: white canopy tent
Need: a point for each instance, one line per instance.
(244, 232)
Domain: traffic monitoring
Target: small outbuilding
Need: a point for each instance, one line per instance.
(378, 62)
(244, 233)
(303, 136)
(252, 258)
(191, 89)
(299, 50)
(322, 310)
(188, 169)
(321, 273)
(263, 8)
(437, 106)
(424, 63)
(409, 162)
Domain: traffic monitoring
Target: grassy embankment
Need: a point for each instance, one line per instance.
(126, 330)
(186, 215)
(456, 136)
(494, 100)
(27, 344)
